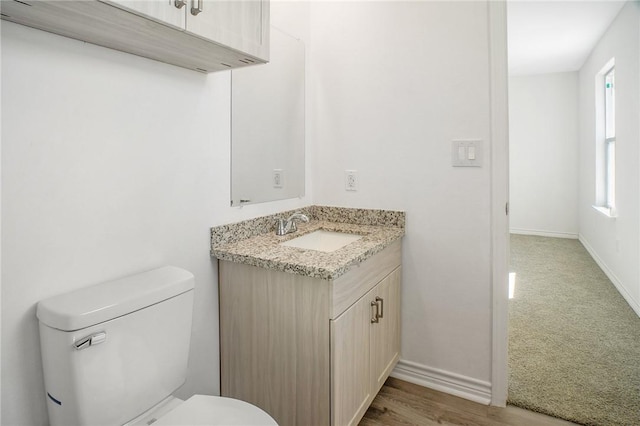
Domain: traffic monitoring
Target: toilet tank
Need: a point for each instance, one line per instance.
(113, 350)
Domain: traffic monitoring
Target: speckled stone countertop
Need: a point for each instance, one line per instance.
(254, 242)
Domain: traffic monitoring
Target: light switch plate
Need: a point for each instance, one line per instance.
(466, 153)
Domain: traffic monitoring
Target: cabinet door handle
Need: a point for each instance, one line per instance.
(196, 7)
(180, 3)
(376, 316)
(381, 300)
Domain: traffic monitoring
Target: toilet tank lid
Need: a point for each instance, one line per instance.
(102, 302)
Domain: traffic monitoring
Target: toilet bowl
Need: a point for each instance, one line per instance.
(207, 410)
(204, 410)
(114, 353)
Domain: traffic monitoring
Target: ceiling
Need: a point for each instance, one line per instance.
(555, 36)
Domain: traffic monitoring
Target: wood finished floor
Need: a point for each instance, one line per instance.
(400, 403)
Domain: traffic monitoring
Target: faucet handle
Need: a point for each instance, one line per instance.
(280, 227)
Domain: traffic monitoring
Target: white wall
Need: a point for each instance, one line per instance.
(543, 154)
(394, 83)
(104, 175)
(614, 243)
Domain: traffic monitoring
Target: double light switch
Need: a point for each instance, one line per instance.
(466, 153)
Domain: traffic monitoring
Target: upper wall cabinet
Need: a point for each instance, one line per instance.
(241, 25)
(203, 35)
(164, 11)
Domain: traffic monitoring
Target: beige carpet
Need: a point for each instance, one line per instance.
(574, 342)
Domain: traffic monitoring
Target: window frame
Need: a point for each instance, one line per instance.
(609, 142)
(605, 143)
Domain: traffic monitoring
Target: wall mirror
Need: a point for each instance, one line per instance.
(267, 125)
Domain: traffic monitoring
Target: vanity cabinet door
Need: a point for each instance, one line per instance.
(385, 334)
(240, 25)
(365, 346)
(163, 11)
(351, 374)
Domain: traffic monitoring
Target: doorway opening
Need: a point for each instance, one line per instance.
(574, 330)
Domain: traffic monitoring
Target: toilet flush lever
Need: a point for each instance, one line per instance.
(92, 340)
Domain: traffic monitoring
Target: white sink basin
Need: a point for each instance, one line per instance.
(321, 240)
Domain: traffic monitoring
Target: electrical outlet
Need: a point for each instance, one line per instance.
(351, 180)
(278, 178)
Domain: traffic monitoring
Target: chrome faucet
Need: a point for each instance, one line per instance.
(285, 227)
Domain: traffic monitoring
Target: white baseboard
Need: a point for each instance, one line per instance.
(544, 233)
(612, 277)
(443, 381)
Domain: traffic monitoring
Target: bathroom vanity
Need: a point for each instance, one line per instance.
(310, 336)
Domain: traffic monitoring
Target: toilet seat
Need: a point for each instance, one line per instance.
(215, 410)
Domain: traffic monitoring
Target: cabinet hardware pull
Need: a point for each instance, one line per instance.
(196, 7)
(381, 300)
(180, 3)
(376, 316)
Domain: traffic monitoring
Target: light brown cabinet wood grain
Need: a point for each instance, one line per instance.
(350, 363)
(385, 334)
(365, 342)
(273, 353)
(163, 11)
(288, 347)
(226, 34)
(240, 25)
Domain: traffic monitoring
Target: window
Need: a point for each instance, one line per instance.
(610, 141)
(606, 140)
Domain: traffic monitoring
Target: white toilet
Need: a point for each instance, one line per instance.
(113, 354)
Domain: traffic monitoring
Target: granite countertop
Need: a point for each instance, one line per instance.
(264, 250)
